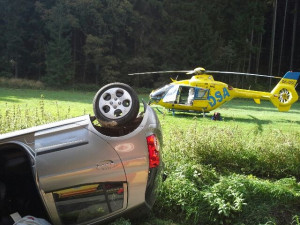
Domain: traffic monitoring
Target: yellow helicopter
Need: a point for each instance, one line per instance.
(203, 94)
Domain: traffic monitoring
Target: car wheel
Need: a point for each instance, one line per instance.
(116, 104)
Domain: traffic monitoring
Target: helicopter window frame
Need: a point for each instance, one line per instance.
(171, 94)
(180, 94)
(204, 93)
(185, 96)
(161, 92)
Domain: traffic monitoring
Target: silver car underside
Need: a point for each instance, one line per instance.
(83, 173)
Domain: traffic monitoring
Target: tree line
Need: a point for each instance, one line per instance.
(66, 42)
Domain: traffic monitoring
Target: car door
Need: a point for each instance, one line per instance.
(81, 177)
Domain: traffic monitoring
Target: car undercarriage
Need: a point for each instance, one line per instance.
(18, 191)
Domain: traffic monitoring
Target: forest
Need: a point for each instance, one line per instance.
(68, 43)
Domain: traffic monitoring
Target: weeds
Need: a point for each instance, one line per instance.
(16, 118)
(225, 199)
(274, 155)
(296, 220)
(232, 199)
(20, 83)
(121, 221)
(229, 176)
(216, 174)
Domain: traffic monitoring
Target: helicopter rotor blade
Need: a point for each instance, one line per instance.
(202, 71)
(238, 73)
(158, 72)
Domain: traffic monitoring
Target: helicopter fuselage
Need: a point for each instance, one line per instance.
(202, 93)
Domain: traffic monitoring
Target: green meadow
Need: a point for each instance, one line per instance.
(243, 113)
(244, 169)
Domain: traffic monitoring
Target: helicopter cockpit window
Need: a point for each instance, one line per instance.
(201, 93)
(183, 95)
(171, 95)
(160, 92)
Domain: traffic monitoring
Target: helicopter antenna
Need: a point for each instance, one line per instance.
(238, 73)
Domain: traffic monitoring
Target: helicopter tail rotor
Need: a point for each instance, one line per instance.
(284, 93)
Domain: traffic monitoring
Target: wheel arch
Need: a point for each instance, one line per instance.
(19, 175)
(16, 145)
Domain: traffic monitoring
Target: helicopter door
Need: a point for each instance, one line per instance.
(201, 93)
(201, 97)
(171, 95)
(186, 95)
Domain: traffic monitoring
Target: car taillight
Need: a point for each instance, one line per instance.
(153, 148)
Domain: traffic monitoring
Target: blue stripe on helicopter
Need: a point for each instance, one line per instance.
(212, 100)
(292, 75)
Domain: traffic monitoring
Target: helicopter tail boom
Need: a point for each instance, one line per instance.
(284, 93)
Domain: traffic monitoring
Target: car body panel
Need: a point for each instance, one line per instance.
(71, 156)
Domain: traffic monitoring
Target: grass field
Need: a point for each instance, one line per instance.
(244, 169)
(238, 112)
(78, 102)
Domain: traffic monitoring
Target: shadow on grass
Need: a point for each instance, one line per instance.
(27, 94)
(183, 114)
(270, 108)
(260, 122)
(250, 105)
(251, 119)
(3, 99)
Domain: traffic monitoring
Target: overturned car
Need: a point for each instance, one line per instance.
(77, 172)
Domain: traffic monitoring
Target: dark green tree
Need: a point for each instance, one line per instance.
(17, 31)
(66, 42)
(58, 23)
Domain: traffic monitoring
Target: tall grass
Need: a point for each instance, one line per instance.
(270, 155)
(242, 170)
(16, 118)
(230, 176)
(20, 83)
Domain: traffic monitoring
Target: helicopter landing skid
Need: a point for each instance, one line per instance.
(159, 110)
(189, 111)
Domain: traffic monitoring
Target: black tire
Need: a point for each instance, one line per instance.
(116, 104)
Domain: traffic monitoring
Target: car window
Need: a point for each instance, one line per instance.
(88, 202)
